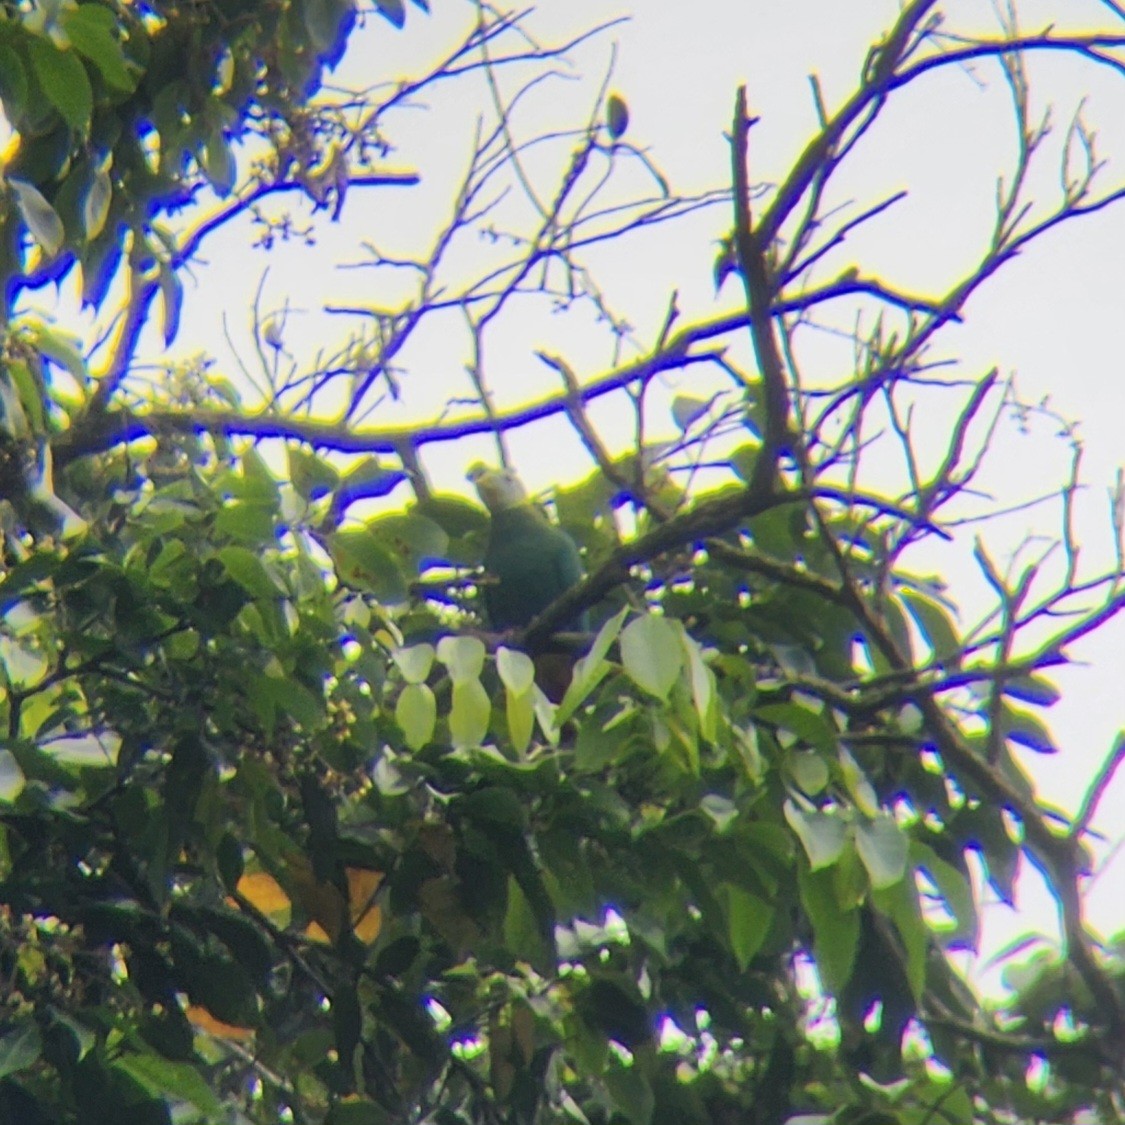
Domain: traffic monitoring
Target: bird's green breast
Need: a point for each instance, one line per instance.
(532, 563)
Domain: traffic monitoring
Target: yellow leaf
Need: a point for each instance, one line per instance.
(264, 893)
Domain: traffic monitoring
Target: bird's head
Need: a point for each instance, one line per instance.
(500, 489)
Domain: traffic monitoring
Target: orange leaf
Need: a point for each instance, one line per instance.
(323, 902)
(366, 917)
(202, 1019)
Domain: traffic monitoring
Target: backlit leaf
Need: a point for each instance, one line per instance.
(416, 714)
(883, 847)
(42, 220)
(470, 713)
(652, 654)
(11, 777)
(95, 207)
(823, 835)
(463, 656)
(414, 662)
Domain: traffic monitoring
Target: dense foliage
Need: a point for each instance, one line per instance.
(287, 834)
(123, 112)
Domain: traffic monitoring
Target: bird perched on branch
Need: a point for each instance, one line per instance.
(531, 561)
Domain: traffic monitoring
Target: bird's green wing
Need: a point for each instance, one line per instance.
(568, 573)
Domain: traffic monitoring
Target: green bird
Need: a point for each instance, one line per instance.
(532, 561)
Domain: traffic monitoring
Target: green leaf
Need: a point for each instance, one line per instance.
(516, 669)
(90, 29)
(652, 654)
(90, 749)
(364, 562)
(855, 780)
(495, 805)
(1032, 688)
(900, 903)
(249, 521)
(824, 835)
(41, 218)
(19, 1048)
(217, 161)
(936, 626)
(703, 690)
(411, 537)
(1026, 730)
(955, 889)
(85, 1039)
(64, 81)
(898, 626)
(591, 669)
(517, 673)
(359, 1111)
(455, 515)
(13, 83)
(393, 10)
(520, 713)
(416, 714)
(522, 932)
(798, 720)
(248, 570)
(292, 698)
(99, 266)
(164, 1078)
(631, 1092)
(686, 409)
(172, 296)
(29, 393)
(749, 919)
(368, 478)
(61, 349)
(883, 847)
(835, 931)
(322, 21)
(414, 662)
(312, 476)
(743, 460)
(809, 770)
(749, 756)
(722, 810)
(617, 121)
(470, 713)
(463, 656)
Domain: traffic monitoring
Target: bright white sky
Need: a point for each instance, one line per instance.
(1053, 317)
